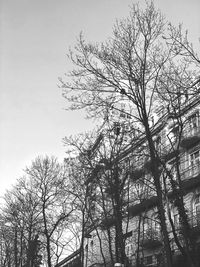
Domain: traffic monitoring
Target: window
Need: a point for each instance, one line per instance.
(122, 114)
(155, 222)
(151, 223)
(194, 121)
(116, 127)
(194, 163)
(129, 250)
(176, 221)
(195, 158)
(158, 144)
(151, 229)
(197, 200)
(198, 214)
(128, 244)
(149, 260)
(138, 188)
(159, 259)
(197, 209)
(173, 134)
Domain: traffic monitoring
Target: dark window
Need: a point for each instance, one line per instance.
(194, 121)
(176, 221)
(195, 158)
(198, 214)
(149, 259)
(128, 234)
(159, 258)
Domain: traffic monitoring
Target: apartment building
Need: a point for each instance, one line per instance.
(176, 135)
(177, 139)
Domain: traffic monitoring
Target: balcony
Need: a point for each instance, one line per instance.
(190, 172)
(191, 136)
(170, 153)
(195, 222)
(151, 239)
(141, 167)
(107, 222)
(137, 174)
(146, 204)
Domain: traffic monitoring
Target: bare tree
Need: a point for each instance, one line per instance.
(106, 181)
(21, 216)
(49, 180)
(78, 188)
(133, 64)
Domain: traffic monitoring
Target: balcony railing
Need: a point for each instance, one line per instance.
(190, 172)
(195, 220)
(191, 131)
(152, 238)
(190, 137)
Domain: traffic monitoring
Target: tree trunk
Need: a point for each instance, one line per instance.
(156, 177)
(15, 247)
(120, 245)
(82, 239)
(48, 251)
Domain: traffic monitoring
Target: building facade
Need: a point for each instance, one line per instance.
(176, 137)
(175, 132)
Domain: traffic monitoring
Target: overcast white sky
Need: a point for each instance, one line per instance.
(34, 38)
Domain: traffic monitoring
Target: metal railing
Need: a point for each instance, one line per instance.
(190, 172)
(152, 233)
(194, 220)
(191, 131)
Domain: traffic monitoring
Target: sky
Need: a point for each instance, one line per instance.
(35, 36)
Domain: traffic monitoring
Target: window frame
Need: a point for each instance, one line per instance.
(193, 160)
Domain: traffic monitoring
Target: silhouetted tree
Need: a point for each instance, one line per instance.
(132, 64)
